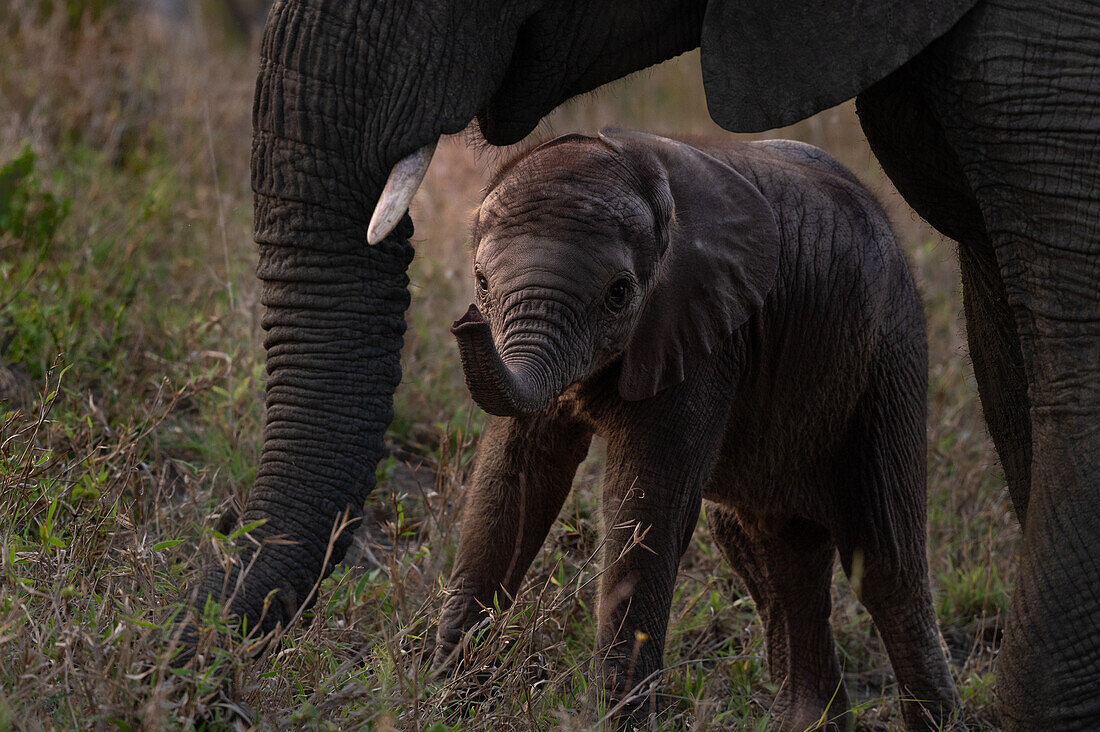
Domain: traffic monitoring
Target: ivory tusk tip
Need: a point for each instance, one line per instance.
(379, 228)
(401, 186)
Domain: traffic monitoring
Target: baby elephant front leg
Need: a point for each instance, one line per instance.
(649, 513)
(525, 467)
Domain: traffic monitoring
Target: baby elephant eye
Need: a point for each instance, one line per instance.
(618, 295)
(481, 281)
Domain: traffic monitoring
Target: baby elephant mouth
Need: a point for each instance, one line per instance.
(520, 387)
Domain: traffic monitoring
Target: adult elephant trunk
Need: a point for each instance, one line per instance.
(329, 128)
(523, 385)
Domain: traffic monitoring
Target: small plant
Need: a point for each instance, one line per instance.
(27, 212)
(971, 593)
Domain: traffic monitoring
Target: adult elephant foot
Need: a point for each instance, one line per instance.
(1049, 664)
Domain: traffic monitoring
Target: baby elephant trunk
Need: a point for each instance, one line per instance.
(522, 386)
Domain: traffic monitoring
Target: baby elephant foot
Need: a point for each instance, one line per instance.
(803, 719)
(631, 693)
(940, 711)
(812, 709)
(461, 614)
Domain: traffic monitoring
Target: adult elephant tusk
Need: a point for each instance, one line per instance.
(401, 186)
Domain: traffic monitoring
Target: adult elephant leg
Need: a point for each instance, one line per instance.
(909, 142)
(1017, 93)
(998, 368)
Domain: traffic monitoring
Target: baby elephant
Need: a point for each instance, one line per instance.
(738, 321)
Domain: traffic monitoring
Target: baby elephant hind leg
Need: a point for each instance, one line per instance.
(788, 569)
(900, 603)
(880, 532)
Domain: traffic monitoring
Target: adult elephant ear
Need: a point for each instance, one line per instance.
(719, 260)
(768, 64)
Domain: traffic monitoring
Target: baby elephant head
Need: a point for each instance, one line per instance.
(592, 249)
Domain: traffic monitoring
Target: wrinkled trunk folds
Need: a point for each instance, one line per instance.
(349, 94)
(334, 319)
(523, 386)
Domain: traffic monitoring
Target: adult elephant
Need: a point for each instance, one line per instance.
(986, 116)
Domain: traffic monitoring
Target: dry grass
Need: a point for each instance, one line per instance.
(131, 405)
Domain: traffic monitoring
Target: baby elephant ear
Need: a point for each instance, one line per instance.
(719, 265)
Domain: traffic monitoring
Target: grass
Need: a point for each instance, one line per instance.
(131, 392)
